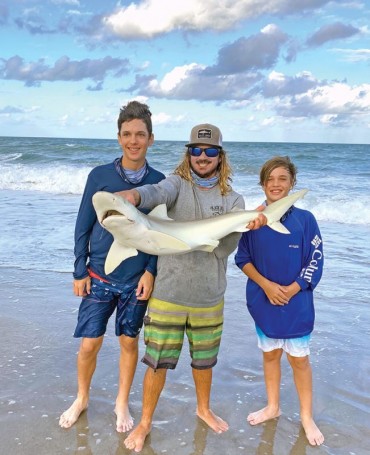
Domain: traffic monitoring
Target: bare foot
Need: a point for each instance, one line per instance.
(135, 440)
(313, 434)
(216, 423)
(71, 415)
(267, 413)
(124, 420)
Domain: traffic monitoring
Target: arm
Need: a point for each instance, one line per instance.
(145, 286)
(313, 260)
(86, 219)
(243, 259)
(149, 196)
(276, 293)
(313, 256)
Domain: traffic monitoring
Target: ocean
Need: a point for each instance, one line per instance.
(41, 182)
(44, 179)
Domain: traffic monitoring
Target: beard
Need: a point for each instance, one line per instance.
(204, 175)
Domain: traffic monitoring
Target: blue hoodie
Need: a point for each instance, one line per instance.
(92, 241)
(283, 259)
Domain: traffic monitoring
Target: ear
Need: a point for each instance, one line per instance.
(151, 140)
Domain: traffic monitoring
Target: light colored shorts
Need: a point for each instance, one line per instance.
(296, 347)
(165, 326)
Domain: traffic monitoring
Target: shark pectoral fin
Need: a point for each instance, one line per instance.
(209, 247)
(160, 212)
(116, 255)
(165, 241)
(277, 226)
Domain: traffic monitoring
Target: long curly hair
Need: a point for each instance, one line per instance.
(224, 171)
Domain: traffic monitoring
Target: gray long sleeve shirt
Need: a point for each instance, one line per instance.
(197, 278)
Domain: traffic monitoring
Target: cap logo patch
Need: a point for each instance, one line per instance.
(205, 134)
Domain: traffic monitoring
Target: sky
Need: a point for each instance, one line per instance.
(261, 70)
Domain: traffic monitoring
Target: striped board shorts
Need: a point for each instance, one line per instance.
(165, 326)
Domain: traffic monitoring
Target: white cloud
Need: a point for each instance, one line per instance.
(337, 103)
(354, 55)
(176, 76)
(150, 18)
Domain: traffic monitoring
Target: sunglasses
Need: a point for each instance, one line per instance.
(211, 152)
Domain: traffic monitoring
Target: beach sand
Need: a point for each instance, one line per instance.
(38, 382)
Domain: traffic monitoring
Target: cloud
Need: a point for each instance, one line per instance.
(298, 96)
(259, 51)
(334, 103)
(64, 69)
(279, 85)
(35, 26)
(56, 19)
(230, 78)
(192, 82)
(354, 55)
(10, 110)
(150, 18)
(331, 32)
(66, 2)
(4, 14)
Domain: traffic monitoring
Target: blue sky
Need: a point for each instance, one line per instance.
(269, 70)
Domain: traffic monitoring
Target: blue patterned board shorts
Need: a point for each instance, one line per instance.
(97, 307)
(296, 347)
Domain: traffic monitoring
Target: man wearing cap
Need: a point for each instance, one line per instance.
(188, 295)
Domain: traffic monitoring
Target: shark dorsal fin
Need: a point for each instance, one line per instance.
(116, 255)
(160, 212)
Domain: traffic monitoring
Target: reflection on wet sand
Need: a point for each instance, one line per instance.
(37, 380)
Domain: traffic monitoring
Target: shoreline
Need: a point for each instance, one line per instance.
(38, 382)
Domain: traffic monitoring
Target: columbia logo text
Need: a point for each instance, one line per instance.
(313, 265)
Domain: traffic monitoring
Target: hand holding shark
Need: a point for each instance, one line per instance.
(157, 234)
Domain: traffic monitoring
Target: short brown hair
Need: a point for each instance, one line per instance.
(135, 110)
(275, 162)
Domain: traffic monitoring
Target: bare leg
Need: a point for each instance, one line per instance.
(127, 368)
(303, 381)
(86, 364)
(203, 383)
(272, 371)
(154, 381)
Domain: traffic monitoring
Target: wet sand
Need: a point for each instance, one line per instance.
(38, 381)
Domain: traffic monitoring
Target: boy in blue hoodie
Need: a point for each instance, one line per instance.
(283, 270)
(127, 289)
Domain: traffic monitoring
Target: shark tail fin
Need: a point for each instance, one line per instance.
(278, 227)
(277, 209)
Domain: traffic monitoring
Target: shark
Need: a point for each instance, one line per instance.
(157, 234)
